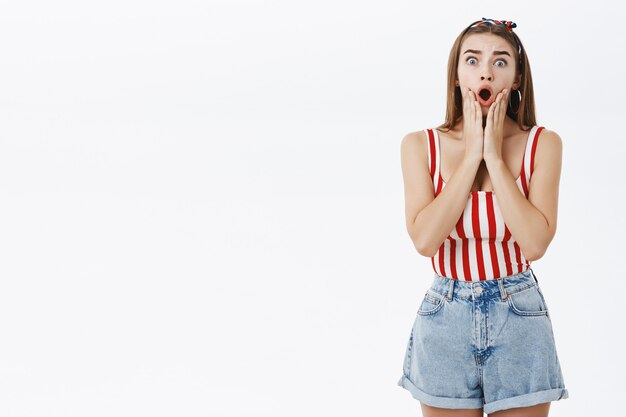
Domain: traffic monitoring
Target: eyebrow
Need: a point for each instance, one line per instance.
(474, 51)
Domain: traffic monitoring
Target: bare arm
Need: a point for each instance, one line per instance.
(532, 221)
(430, 220)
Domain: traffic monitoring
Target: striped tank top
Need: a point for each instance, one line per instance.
(480, 247)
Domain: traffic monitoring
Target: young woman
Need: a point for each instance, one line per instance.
(481, 193)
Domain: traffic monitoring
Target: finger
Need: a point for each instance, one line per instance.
(492, 110)
(503, 104)
(475, 107)
(464, 102)
(479, 114)
(490, 116)
(506, 102)
(475, 110)
(478, 117)
(496, 110)
(471, 107)
(474, 96)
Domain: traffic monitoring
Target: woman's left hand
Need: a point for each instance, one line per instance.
(494, 128)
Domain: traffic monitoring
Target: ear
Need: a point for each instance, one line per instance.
(517, 82)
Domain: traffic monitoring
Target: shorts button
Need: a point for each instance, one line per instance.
(479, 290)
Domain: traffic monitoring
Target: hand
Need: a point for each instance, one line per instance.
(494, 128)
(472, 125)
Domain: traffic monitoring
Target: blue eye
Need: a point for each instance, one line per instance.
(499, 60)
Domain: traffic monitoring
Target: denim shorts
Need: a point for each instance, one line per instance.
(483, 344)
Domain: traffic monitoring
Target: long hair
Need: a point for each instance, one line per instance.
(522, 112)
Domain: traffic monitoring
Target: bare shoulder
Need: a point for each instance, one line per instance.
(415, 143)
(549, 148)
(414, 137)
(551, 137)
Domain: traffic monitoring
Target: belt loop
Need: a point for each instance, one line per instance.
(502, 290)
(534, 276)
(449, 296)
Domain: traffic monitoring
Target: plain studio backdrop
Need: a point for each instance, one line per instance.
(202, 208)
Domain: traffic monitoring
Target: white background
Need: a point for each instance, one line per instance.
(202, 210)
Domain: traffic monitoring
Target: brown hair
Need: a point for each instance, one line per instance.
(525, 111)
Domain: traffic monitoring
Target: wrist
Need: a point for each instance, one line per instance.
(472, 160)
(492, 161)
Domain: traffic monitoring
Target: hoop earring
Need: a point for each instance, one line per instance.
(519, 100)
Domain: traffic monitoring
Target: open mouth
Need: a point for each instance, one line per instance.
(485, 96)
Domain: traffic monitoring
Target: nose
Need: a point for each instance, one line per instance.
(486, 73)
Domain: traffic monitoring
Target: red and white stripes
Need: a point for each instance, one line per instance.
(480, 247)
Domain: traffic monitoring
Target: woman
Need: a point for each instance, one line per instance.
(482, 340)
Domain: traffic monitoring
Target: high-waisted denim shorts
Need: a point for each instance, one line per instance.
(483, 344)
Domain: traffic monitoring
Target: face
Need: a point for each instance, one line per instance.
(486, 66)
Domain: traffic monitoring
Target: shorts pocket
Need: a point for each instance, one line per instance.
(528, 302)
(431, 303)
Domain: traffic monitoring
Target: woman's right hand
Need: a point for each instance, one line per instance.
(472, 126)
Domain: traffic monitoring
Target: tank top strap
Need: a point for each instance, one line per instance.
(432, 153)
(434, 159)
(528, 164)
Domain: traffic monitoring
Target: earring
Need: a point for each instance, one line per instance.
(519, 100)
